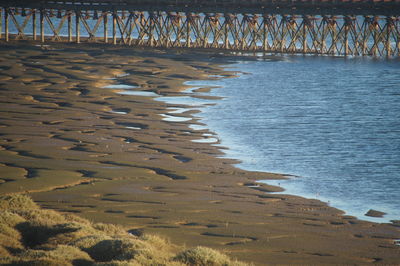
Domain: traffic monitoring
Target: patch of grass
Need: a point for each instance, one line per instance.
(30, 235)
(204, 256)
(10, 238)
(60, 253)
(89, 241)
(17, 202)
(110, 229)
(10, 219)
(114, 249)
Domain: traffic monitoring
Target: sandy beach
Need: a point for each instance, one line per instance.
(77, 147)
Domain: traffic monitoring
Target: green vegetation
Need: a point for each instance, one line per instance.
(30, 235)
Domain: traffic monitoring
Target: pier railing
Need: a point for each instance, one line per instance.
(370, 29)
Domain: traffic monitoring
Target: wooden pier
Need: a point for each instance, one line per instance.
(332, 27)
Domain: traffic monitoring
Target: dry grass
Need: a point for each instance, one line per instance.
(205, 257)
(30, 235)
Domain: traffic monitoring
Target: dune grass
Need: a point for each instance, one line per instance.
(30, 235)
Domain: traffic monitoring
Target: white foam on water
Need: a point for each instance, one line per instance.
(120, 86)
(207, 140)
(139, 93)
(198, 127)
(171, 118)
(185, 100)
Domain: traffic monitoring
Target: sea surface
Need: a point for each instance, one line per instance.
(331, 123)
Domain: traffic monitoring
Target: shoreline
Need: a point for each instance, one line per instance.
(205, 200)
(291, 185)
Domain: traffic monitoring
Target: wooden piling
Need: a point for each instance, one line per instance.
(105, 21)
(366, 25)
(265, 34)
(375, 28)
(1, 22)
(205, 24)
(188, 25)
(131, 28)
(6, 24)
(324, 30)
(226, 31)
(334, 35)
(305, 21)
(346, 35)
(42, 25)
(389, 26)
(115, 28)
(34, 33)
(151, 34)
(77, 26)
(398, 46)
(69, 26)
(284, 31)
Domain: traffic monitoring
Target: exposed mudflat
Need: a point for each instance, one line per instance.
(76, 145)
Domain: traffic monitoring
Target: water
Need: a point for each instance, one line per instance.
(120, 86)
(139, 93)
(333, 122)
(172, 118)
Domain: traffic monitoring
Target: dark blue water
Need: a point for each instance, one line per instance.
(332, 122)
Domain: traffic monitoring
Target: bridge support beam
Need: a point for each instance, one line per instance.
(227, 24)
(347, 23)
(375, 28)
(1, 23)
(42, 25)
(305, 24)
(105, 30)
(34, 33)
(151, 29)
(69, 25)
(265, 33)
(115, 28)
(398, 46)
(188, 31)
(6, 24)
(389, 28)
(77, 26)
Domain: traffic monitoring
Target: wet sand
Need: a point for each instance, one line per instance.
(77, 147)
